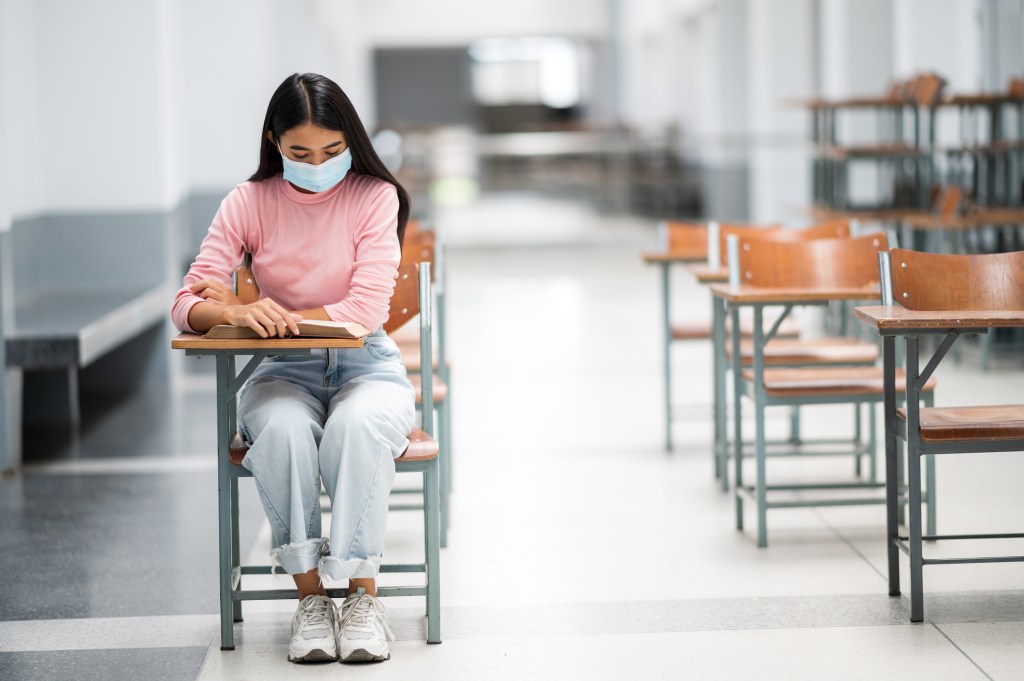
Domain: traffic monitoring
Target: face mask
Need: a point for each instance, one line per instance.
(317, 178)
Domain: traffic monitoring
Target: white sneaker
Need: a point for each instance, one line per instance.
(314, 631)
(364, 629)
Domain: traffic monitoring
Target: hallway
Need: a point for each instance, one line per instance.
(578, 549)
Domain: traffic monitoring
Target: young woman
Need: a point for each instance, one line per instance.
(323, 220)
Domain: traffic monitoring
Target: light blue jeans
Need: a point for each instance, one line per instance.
(339, 416)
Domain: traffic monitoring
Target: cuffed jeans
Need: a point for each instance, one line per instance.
(340, 416)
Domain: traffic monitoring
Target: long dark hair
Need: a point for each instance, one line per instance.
(310, 97)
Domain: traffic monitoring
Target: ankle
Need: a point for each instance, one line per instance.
(369, 586)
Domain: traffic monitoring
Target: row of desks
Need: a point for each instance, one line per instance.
(923, 220)
(888, 321)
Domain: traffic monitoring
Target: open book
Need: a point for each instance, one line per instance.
(308, 328)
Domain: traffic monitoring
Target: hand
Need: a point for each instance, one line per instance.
(213, 291)
(265, 317)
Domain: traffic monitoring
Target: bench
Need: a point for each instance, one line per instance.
(71, 299)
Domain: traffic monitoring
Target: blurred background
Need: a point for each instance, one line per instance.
(545, 139)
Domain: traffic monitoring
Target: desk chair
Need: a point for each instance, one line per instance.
(932, 282)
(792, 274)
(411, 298)
(782, 350)
(686, 242)
(425, 246)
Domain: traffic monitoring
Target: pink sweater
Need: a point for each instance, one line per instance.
(336, 249)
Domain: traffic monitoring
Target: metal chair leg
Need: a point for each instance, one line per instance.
(224, 507)
(432, 549)
(762, 492)
(227, 567)
(667, 340)
(236, 557)
(445, 467)
(737, 444)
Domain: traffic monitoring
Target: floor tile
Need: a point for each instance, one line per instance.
(848, 653)
(995, 647)
(166, 664)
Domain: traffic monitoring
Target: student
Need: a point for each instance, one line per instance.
(323, 219)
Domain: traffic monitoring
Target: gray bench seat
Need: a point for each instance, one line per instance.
(84, 315)
(58, 329)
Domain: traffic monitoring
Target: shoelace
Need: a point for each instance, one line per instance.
(313, 613)
(357, 611)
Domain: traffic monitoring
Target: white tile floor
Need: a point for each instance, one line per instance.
(580, 550)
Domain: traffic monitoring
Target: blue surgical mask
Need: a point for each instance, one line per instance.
(317, 178)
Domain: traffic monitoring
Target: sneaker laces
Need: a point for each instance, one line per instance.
(313, 614)
(358, 610)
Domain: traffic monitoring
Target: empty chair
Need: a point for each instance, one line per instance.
(792, 274)
(931, 283)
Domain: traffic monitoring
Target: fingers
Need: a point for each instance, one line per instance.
(287, 318)
(214, 291)
(208, 284)
(270, 319)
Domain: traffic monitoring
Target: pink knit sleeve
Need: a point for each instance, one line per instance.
(219, 255)
(377, 255)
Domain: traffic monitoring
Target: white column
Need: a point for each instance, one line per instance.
(228, 56)
(856, 44)
(782, 66)
(942, 36)
(19, 192)
(20, 186)
(102, 124)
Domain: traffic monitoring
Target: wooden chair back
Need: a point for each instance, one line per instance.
(926, 89)
(815, 263)
(246, 288)
(830, 229)
(405, 301)
(418, 247)
(933, 281)
(686, 237)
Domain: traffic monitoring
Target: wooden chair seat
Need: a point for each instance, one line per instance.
(790, 351)
(421, 447)
(440, 388)
(411, 357)
(829, 381)
(996, 422)
(407, 335)
(701, 330)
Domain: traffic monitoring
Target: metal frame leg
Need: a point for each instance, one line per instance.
(914, 481)
(794, 425)
(737, 401)
(759, 434)
(227, 633)
(718, 341)
(872, 443)
(931, 521)
(432, 548)
(445, 465)
(667, 339)
(236, 554)
(892, 476)
(857, 434)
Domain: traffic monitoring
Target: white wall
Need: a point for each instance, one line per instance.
(234, 54)
(404, 23)
(131, 104)
(649, 64)
(227, 53)
(163, 97)
(781, 65)
(940, 36)
(100, 122)
(20, 191)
